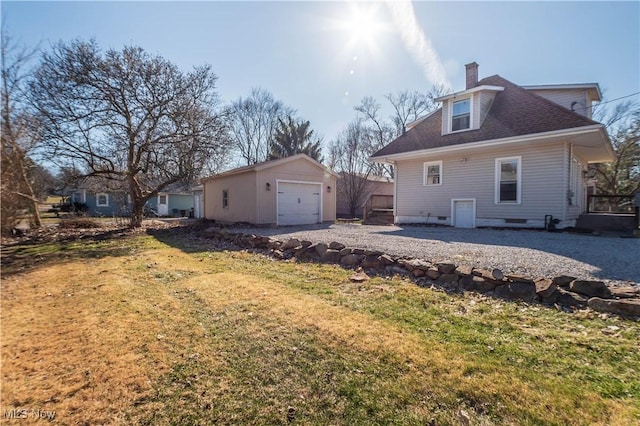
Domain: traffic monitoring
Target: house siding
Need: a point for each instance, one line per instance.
(485, 101)
(475, 178)
(566, 97)
(242, 198)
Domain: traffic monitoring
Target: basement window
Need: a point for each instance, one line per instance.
(515, 221)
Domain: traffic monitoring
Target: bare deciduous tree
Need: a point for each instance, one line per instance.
(19, 137)
(349, 154)
(127, 116)
(253, 122)
(410, 106)
(622, 176)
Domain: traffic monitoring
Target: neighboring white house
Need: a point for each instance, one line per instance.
(499, 154)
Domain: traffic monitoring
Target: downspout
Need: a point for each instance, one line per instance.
(568, 149)
(395, 192)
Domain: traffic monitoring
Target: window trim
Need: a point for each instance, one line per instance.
(225, 198)
(498, 162)
(98, 203)
(450, 115)
(425, 173)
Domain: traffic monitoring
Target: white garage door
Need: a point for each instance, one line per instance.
(298, 203)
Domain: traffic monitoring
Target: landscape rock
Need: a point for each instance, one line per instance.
(590, 288)
(629, 308)
(372, 262)
(386, 259)
(305, 243)
(518, 278)
(473, 283)
(351, 260)
(291, 244)
(330, 256)
(448, 278)
(516, 291)
(346, 251)
(567, 298)
(497, 274)
(333, 245)
(446, 268)
(396, 269)
(563, 280)
(417, 272)
(359, 277)
(433, 273)
(465, 270)
(273, 244)
(545, 287)
(625, 292)
(321, 248)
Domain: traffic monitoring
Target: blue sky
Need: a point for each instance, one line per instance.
(310, 55)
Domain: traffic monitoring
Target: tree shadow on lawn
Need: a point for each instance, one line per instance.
(614, 257)
(28, 255)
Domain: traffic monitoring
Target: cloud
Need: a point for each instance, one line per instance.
(417, 43)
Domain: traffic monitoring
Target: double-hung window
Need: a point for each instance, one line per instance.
(461, 115)
(508, 180)
(225, 199)
(433, 173)
(102, 200)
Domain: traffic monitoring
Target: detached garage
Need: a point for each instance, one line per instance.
(295, 190)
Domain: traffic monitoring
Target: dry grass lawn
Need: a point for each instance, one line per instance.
(166, 330)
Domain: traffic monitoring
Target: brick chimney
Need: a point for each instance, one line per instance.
(472, 75)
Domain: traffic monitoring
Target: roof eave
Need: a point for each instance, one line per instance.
(470, 91)
(392, 158)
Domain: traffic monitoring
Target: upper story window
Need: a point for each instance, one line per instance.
(461, 115)
(433, 173)
(508, 180)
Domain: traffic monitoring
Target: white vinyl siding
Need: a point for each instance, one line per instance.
(541, 184)
(485, 100)
(508, 180)
(572, 99)
(433, 173)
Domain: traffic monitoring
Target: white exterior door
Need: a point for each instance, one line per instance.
(464, 213)
(197, 207)
(163, 205)
(299, 203)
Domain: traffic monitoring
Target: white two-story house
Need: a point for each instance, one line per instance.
(499, 154)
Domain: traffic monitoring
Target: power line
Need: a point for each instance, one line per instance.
(617, 99)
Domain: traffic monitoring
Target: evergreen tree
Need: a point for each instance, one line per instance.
(293, 138)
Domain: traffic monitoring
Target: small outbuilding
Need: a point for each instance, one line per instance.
(295, 190)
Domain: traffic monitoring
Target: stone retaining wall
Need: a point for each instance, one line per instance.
(563, 291)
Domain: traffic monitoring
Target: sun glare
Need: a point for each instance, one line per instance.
(363, 25)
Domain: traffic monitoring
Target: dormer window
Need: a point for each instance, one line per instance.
(461, 115)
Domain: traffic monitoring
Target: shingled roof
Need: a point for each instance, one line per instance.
(514, 112)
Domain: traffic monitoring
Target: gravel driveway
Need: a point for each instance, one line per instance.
(526, 252)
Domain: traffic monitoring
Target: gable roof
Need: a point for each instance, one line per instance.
(514, 112)
(269, 164)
